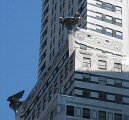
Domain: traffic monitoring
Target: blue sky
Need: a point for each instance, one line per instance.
(20, 22)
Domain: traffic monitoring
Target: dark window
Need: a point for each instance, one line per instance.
(52, 115)
(86, 77)
(71, 63)
(33, 114)
(38, 109)
(118, 83)
(45, 2)
(44, 44)
(46, 11)
(86, 62)
(49, 95)
(86, 93)
(117, 67)
(45, 22)
(102, 80)
(102, 64)
(117, 116)
(81, 8)
(43, 66)
(86, 113)
(70, 110)
(55, 87)
(44, 33)
(118, 99)
(102, 115)
(102, 96)
(44, 103)
(43, 56)
(66, 70)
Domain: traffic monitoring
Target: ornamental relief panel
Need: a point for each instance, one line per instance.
(100, 42)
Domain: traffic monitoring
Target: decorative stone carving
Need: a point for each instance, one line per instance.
(81, 37)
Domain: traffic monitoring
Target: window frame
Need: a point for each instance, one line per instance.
(102, 115)
(69, 111)
(102, 66)
(86, 113)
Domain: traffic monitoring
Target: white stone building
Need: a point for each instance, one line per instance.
(83, 73)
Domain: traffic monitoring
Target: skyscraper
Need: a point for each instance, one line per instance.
(83, 72)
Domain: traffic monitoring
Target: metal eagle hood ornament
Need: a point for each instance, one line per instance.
(15, 103)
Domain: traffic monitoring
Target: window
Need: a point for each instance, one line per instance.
(108, 32)
(52, 115)
(45, 2)
(44, 103)
(43, 56)
(44, 33)
(108, 19)
(66, 69)
(86, 62)
(46, 11)
(86, 93)
(117, 67)
(70, 110)
(102, 96)
(50, 57)
(99, 4)
(43, 66)
(55, 87)
(118, 22)
(33, 114)
(81, 8)
(86, 77)
(102, 115)
(44, 43)
(86, 113)
(45, 22)
(102, 80)
(99, 29)
(102, 64)
(118, 99)
(118, 10)
(38, 109)
(63, 3)
(119, 35)
(118, 83)
(108, 6)
(99, 16)
(71, 63)
(49, 95)
(117, 116)
(94, 95)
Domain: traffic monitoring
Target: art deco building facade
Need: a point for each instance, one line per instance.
(83, 72)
